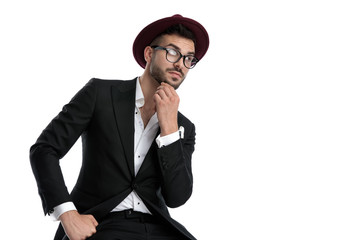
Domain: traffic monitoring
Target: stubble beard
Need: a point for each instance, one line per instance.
(160, 76)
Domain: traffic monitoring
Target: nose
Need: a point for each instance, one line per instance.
(179, 64)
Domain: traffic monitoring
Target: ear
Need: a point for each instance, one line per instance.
(148, 51)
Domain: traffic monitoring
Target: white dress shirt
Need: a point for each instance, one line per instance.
(143, 138)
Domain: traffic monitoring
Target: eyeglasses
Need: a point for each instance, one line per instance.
(174, 56)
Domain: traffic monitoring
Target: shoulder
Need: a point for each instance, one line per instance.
(108, 83)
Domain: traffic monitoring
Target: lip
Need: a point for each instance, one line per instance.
(177, 74)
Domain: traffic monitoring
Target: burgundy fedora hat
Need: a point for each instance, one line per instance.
(151, 31)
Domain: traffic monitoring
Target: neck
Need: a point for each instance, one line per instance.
(148, 86)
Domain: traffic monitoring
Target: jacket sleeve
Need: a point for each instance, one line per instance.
(55, 141)
(175, 167)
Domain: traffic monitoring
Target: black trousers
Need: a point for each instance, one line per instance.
(131, 225)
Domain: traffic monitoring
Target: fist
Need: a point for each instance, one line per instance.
(78, 227)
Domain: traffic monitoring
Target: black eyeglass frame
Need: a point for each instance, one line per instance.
(156, 47)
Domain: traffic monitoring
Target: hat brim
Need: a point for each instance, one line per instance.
(150, 32)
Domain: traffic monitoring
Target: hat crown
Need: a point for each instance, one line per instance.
(150, 32)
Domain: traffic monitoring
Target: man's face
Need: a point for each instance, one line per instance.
(164, 71)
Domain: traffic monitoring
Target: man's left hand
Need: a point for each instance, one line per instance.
(167, 104)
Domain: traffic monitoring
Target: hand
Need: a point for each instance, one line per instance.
(78, 227)
(167, 104)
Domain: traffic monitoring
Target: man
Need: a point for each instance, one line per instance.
(137, 147)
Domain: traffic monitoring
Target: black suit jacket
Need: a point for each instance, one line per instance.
(102, 113)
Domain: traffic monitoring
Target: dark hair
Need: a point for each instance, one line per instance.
(177, 29)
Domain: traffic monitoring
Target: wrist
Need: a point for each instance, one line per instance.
(167, 130)
(168, 139)
(68, 215)
(60, 209)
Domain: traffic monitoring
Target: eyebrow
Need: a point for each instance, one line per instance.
(177, 48)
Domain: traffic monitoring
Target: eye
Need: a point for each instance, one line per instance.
(172, 52)
(189, 58)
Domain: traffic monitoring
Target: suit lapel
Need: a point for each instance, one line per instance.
(123, 98)
(150, 154)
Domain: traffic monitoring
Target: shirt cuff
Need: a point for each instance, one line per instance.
(168, 139)
(60, 209)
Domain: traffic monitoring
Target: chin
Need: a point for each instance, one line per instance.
(175, 83)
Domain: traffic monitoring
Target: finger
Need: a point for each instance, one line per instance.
(161, 93)
(94, 221)
(93, 230)
(157, 98)
(166, 86)
(90, 234)
(171, 90)
(168, 90)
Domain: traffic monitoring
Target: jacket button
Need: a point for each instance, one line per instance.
(134, 186)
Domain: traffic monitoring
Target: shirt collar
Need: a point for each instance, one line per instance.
(139, 100)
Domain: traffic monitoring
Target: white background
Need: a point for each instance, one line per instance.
(275, 101)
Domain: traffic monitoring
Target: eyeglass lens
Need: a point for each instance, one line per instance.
(173, 56)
